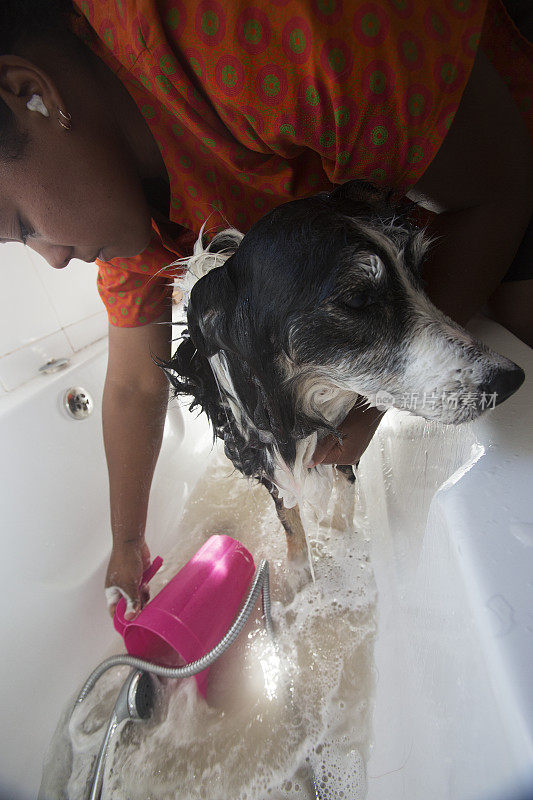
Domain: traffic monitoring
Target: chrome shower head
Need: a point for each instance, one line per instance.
(135, 702)
(136, 698)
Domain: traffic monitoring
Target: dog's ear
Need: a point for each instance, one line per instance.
(362, 198)
(358, 191)
(226, 241)
(206, 257)
(190, 374)
(207, 289)
(211, 304)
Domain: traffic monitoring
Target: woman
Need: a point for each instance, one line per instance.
(127, 124)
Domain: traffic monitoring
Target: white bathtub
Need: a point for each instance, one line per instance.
(56, 542)
(451, 513)
(452, 551)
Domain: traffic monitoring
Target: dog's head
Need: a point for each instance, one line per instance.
(320, 303)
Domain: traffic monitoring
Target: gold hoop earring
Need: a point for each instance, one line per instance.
(67, 123)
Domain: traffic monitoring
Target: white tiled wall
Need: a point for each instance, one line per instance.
(44, 313)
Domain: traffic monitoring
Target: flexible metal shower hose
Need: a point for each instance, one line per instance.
(261, 581)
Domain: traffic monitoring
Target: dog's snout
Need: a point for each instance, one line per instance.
(504, 383)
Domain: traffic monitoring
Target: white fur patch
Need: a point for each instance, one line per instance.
(300, 485)
(202, 261)
(373, 266)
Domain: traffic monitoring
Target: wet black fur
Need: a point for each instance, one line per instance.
(283, 276)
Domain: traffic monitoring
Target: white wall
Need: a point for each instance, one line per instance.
(44, 313)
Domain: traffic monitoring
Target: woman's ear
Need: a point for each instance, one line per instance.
(20, 80)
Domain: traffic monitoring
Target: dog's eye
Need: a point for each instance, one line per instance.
(357, 301)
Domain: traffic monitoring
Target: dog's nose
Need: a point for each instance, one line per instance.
(504, 384)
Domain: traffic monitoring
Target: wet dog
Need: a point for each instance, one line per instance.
(318, 307)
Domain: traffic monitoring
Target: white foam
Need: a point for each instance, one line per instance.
(113, 595)
(272, 716)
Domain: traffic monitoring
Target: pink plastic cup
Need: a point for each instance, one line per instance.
(191, 614)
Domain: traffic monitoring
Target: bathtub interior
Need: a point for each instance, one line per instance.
(253, 736)
(56, 542)
(451, 516)
(450, 526)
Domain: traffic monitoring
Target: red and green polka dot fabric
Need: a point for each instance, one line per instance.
(254, 103)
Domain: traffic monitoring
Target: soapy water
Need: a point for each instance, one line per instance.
(276, 718)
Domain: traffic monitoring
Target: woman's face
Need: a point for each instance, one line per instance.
(75, 200)
(75, 193)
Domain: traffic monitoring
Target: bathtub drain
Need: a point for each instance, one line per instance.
(78, 402)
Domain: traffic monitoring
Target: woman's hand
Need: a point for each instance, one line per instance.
(127, 563)
(357, 430)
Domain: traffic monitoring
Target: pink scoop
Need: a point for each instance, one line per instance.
(191, 614)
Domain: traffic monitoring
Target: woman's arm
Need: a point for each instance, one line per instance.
(134, 409)
(480, 185)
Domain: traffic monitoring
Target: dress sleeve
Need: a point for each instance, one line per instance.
(370, 87)
(136, 291)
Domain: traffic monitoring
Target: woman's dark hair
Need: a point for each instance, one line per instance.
(21, 19)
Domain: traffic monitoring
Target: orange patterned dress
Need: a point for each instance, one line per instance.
(254, 103)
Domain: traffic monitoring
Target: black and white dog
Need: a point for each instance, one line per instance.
(319, 306)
